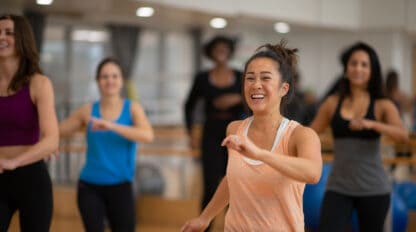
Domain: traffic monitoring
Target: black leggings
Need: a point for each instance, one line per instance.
(214, 164)
(337, 209)
(27, 189)
(95, 202)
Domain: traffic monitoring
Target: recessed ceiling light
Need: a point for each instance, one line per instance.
(44, 2)
(218, 23)
(145, 11)
(89, 36)
(281, 27)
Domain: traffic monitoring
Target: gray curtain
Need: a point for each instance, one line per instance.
(196, 34)
(38, 22)
(124, 46)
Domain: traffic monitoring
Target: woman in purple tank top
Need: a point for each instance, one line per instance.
(28, 129)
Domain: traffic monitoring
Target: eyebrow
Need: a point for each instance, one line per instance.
(262, 72)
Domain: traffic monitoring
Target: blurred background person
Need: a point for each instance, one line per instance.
(114, 126)
(303, 104)
(220, 89)
(358, 115)
(403, 104)
(395, 94)
(28, 129)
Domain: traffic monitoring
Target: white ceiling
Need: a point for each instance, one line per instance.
(303, 15)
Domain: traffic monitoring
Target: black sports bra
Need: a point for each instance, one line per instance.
(340, 126)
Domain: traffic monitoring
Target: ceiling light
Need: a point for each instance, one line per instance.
(145, 11)
(218, 23)
(281, 27)
(44, 2)
(89, 36)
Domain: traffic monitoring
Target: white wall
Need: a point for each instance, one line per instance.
(319, 53)
(351, 14)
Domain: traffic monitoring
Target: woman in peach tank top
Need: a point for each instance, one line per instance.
(270, 157)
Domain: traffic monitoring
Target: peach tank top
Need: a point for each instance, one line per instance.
(261, 198)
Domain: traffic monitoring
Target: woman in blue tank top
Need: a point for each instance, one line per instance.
(358, 114)
(113, 127)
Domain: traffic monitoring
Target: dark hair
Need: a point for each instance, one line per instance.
(392, 82)
(104, 62)
(375, 85)
(26, 50)
(210, 45)
(286, 59)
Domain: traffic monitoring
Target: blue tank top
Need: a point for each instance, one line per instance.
(110, 158)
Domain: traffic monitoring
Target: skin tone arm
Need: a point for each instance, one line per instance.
(43, 96)
(390, 124)
(304, 142)
(141, 131)
(75, 121)
(324, 115)
(218, 202)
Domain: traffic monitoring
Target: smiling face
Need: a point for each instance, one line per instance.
(359, 69)
(7, 39)
(263, 89)
(110, 79)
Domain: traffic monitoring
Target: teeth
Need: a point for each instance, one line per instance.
(3, 45)
(257, 96)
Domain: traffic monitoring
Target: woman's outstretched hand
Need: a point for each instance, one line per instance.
(243, 145)
(195, 225)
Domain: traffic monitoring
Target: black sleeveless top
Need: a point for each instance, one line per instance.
(216, 120)
(340, 126)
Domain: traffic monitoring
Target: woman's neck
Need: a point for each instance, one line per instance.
(222, 66)
(265, 122)
(358, 92)
(110, 101)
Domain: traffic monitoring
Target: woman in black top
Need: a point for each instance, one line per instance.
(358, 114)
(220, 88)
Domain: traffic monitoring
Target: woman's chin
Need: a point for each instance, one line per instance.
(258, 109)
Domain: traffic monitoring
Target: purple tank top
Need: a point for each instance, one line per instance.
(19, 123)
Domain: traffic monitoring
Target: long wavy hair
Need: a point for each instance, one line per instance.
(375, 85)
(26, 51)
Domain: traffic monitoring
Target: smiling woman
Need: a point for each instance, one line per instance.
(270, 157)
(114, 126)
(358, 116)
(28, 129)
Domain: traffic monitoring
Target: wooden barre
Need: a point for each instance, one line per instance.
(141, 150)
(328, 158)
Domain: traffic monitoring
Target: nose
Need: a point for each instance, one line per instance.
(257, 84)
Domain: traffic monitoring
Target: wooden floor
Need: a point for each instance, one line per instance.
(154, 214)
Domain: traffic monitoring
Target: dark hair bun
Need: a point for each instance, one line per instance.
(288, 54)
